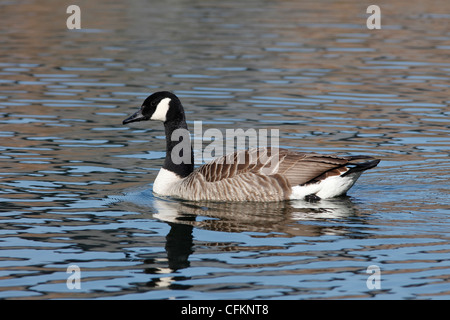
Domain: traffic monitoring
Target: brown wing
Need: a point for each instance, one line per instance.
(234, 164)
(260, 174)
(303, 168)
(298, 168)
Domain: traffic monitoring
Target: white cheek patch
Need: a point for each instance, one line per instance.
(161, 110)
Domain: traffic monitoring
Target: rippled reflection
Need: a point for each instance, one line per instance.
(282, 220)
(272, 217)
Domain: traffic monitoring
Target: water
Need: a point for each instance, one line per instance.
(76, 184)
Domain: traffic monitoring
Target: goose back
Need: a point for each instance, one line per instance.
(259, 174)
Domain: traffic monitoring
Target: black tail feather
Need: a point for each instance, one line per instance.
(361, 166)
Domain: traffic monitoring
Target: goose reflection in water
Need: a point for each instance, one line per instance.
(282, 219)
(268, 217)
(286, 219)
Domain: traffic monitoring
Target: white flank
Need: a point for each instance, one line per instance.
(161, 110)
(329, 188)
(164, 181)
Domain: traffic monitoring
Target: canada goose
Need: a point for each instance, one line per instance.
(296, 175)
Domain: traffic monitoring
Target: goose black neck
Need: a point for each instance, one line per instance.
(178, 147)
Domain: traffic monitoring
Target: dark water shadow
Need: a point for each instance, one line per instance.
(276, 219)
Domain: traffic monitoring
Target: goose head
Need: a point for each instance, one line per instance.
(165, 107)
(160, 106)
